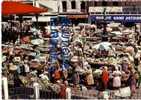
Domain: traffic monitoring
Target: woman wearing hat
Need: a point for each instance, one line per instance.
(105, 77)
(116, 78)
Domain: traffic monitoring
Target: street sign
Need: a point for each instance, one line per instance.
(120, 18)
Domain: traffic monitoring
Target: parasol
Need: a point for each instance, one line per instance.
(116, 33)
(128, 31)
(109, 29)
(75, 59)
(113, 25)
(103, 46)
(37, 41)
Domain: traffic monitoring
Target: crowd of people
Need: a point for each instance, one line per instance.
(93, 64)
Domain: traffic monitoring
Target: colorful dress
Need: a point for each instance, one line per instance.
(105, 78)
(116, 79)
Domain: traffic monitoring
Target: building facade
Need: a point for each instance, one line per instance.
(79, 11)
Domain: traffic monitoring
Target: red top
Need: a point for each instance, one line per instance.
(57, 74)
(105, 76)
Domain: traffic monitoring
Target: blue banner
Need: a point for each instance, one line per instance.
(53, 40)
(65, 42)
(123, 18)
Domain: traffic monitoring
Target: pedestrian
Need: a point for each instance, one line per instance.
(89, 76)
(105, 77)
(116, 78)
(17, 81)
(139, 80)
(62, 93)
(133, 84)
(57, 74)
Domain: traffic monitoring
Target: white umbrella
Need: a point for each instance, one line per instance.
(127, 31)
(93, 26)
(37, 41)
(113, 24)
(24, 46)
(116, 33)
(74, 59)
(109, 29)
(103, 46)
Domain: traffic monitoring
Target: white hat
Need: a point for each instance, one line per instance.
(42, 58)
(12, 67)
(58, 81)
(53, 27)
(36, 60)
(3, 58)
(105, 67)
(74, 59)
(17, 59)
(116, 67)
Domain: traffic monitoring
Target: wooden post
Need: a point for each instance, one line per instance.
(68, 93)
(5, 88)
(36, 90)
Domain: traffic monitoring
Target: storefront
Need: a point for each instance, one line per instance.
(127, 20)
(76, 19)
(117, 18)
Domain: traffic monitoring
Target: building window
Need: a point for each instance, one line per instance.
(95, 3)
(64, 4)
(104, 3)
(90, 3)
(115, 3)
(73, 4)
(83, 6)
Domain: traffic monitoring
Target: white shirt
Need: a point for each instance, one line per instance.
(27, 69)
(68, 93)
(116, 79)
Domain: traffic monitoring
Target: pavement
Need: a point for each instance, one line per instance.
(93, 94)
(137, 95)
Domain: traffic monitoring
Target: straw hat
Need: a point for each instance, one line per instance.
(35, 60)
(105, 67)
(74, 59)
(116, 67)
(3, 58)
(17, 59)
(125, 59)
(12, 67)
(42, 58)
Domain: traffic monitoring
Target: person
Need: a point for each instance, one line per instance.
(125, 65)
(105, 77)
(139, 80)
(89, 76)
(63, 87)
(57, 74)
(136, 60)
(68, 90)
(17, 81)
(116, 78)
(132, 83)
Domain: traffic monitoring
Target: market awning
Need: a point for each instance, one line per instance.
(50, 4)
(11, 7)
(77, 16)
(41, 19)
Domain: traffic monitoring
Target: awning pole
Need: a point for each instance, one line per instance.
(37, 16)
